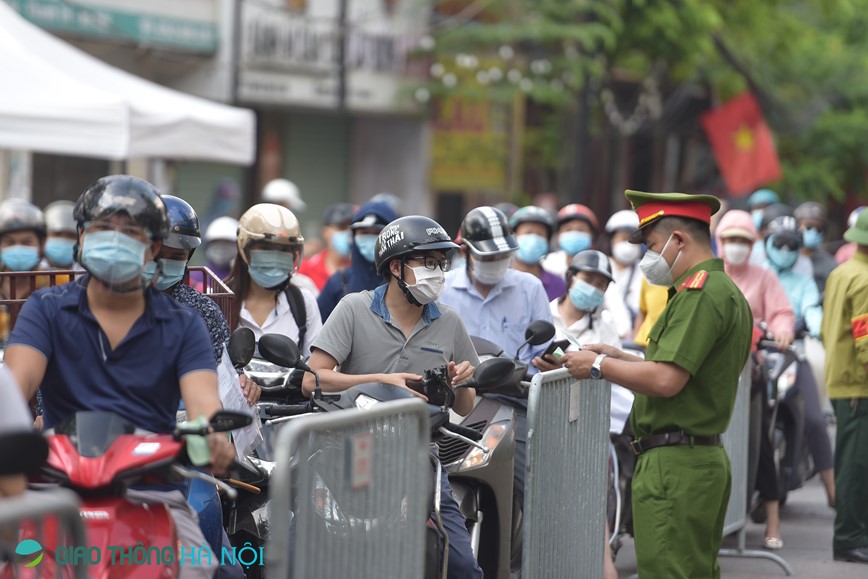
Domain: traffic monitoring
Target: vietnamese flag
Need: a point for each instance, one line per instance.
(742, 144)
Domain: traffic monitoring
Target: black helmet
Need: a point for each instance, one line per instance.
(532, 214)
(810, 210)
(592, 261)
(339, 214)
(124, 194)
(21, 215)
(486, 231)
(183, 224)
(774, 211)
(407, 235)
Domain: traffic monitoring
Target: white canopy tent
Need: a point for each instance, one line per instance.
(57, 99)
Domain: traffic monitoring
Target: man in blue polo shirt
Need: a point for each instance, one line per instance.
(110, 342)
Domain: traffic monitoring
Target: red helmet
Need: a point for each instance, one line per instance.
(580, 212)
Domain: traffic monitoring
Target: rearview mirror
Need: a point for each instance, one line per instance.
(225, 420)
(242, 344)
(492, 373)
(539, 332)
(279, 349)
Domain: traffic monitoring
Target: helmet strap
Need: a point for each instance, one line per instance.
(403, 285)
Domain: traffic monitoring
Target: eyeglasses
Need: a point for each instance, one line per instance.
(432, 262)
(130, 230)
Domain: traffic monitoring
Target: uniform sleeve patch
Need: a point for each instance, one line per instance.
(860, 327)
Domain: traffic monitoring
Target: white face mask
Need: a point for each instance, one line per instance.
(626, 253)
(489, 272)
(736, 253)
(655, 268)
(429, 284)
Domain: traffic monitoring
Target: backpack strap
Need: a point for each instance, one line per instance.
(299, 311)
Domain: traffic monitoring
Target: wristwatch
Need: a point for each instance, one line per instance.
(596, 367)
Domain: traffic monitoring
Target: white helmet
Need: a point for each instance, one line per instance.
(854, 215)
(222, 229)
(59, 218)
(283, 192)
(624, 219)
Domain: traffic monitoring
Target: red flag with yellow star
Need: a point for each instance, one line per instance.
(742, 144)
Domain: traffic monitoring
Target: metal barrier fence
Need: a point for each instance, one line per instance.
(736, 441)
(37, 533)
(351, 494)
(566, 478)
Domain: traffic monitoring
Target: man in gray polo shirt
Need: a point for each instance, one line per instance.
(397, 331)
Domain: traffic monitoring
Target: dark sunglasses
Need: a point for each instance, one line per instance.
(786, 242)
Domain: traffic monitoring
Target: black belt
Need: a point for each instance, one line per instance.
(670, 439)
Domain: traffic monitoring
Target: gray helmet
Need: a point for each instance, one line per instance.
(21, 215)
(592, 261)
(59, 218)
(810, 210)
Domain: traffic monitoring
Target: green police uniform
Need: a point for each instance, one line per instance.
(680, 492)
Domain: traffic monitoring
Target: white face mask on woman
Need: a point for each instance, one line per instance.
(736, 253)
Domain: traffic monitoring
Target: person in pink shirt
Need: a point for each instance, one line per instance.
(769, 304)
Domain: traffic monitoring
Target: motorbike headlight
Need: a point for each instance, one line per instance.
(490, 439)
(325, 505)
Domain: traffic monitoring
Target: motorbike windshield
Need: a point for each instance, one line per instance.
(93, 433)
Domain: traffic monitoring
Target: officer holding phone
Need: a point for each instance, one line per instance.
(685, 388)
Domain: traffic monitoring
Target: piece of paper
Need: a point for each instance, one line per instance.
(232, 397)
(575, 401)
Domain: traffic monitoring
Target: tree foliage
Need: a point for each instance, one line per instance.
(804, 59)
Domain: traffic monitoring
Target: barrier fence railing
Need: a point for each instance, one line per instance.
(737, 442)
(39, 534)
(351, 493)
(566, 477)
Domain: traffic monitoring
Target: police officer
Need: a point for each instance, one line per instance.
(685, 388)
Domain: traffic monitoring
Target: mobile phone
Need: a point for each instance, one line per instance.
(562, 344)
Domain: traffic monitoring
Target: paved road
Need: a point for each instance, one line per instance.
(806, 525)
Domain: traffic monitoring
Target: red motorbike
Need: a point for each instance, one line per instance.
(100, 455)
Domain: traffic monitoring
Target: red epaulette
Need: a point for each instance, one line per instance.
(695, 281)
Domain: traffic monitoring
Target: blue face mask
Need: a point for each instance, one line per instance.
(112, 257)
(531, 248)
(585, 296)
(574, 241)
(757, 215)
(59, 251)
(172, 273)
(812, 238)
(20, 257)
(341, 242)
(365, 242)
(270, 268)
(149, 273)
(779, 257)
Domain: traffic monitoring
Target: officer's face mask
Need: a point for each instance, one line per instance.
(20, 257)
(429, 284)
(270, 268)
(171, 273)
(655, 268)
(488, 272)
(114, 258)
(59, 251)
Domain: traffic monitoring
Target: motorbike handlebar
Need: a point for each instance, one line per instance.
(286, 409)
(474, 435)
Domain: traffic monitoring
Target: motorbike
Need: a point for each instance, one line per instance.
(338, 522)
(481, 474)
(100, 455)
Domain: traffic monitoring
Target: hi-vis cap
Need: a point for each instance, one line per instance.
(650, 207)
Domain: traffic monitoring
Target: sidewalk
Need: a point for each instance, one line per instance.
(806, 525)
